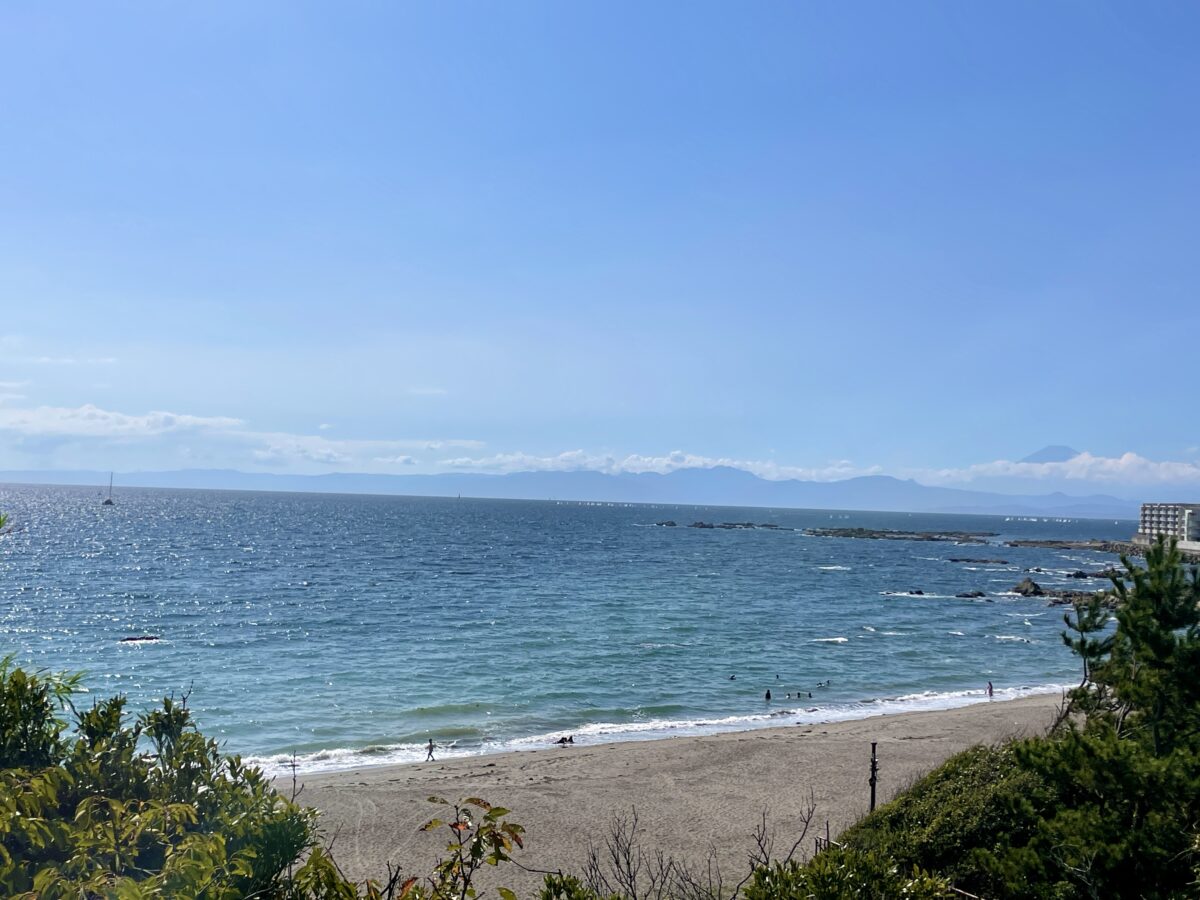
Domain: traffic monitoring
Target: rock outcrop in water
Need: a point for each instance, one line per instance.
(1104, 573)
(982, 562)
(1029, 588)
(769, 526)
(1127, 548)
(875, 534)
(1057, 597)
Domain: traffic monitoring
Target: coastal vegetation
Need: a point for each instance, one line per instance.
(1108, 803)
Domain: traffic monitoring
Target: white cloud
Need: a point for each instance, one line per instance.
(92, 421)
(1129, 468)
(324, 426)
(275, 448)
(298, 448)
(217, 438)
(579, 460)
(13, 385)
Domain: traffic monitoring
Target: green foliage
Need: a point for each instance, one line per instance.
(94, 815)
(30, 731)
(845, 874)
(1147, 681)
(567, 887)
(90, 816)
(954, 820)
(479, 835)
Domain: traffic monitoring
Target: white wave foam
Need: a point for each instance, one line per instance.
(956, 633)
(867, 628)
(340, 759)
(280, 765)
(1012, 638)
(834, 568)
(832, 640)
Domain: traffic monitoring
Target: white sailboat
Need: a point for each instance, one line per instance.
(108, 501)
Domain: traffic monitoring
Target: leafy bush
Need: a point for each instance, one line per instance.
(845, 874)
(92, 816)
(154, 809)
(978, 805)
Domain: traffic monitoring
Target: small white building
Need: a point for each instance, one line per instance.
(1178, 520)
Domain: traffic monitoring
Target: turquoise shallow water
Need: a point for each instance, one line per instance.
(351, 629)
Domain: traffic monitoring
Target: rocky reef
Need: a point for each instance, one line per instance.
(873, 534)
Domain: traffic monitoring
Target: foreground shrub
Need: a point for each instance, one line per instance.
(152, 808)
(92, 815)
(845, 874)
(964, 820)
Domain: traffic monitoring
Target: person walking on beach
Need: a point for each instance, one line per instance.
(429, 752)
(989, 690)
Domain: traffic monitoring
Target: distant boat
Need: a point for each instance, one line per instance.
(108, 501)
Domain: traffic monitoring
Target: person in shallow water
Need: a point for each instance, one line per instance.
(989, 689)
(768, 695)
(429, 751)
(566, 740)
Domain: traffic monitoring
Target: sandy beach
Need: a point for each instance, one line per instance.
(690, 793)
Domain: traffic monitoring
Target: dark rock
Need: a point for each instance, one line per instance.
(992, 562)
(1128, 548)
(143, 637)
(971, 595)
(702, 525)
(1029, 588)
(666, 524)
(957, 537)
(1069, 598)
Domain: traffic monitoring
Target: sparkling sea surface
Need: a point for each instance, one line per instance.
(349, 630)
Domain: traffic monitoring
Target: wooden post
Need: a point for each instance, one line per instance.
(874, 773)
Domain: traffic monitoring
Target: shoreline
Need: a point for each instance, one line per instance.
(690, 792)
(331, 761)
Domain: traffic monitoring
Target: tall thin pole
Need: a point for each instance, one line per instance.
(874, 773)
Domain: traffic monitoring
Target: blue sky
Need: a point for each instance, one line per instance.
(810, 239)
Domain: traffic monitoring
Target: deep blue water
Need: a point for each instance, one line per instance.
(348, 629)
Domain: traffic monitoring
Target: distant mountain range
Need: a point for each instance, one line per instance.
(719, 486)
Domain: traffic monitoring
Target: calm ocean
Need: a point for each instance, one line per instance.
(350, 629)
